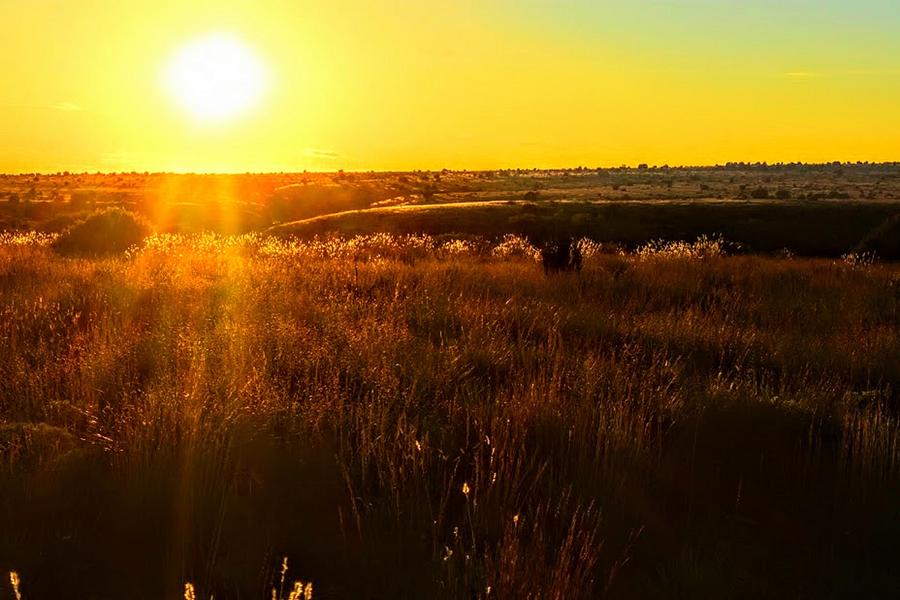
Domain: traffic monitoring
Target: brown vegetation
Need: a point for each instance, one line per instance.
(421, 418)
(811, 210)
(109, 231)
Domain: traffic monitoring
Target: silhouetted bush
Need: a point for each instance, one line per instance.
(110, 231)
(760, 193)
(563, 255)
(884, 241)
(60, 223)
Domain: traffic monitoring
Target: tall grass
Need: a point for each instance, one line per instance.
(417, 417)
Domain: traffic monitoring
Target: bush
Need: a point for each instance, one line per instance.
(108, 231)
(883, 241)
(562, 255)
(60, 223)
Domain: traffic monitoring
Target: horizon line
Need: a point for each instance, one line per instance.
(578, 168)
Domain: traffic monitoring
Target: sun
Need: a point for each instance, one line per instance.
(215, 78)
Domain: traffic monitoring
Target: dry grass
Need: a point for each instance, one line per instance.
(417, 417)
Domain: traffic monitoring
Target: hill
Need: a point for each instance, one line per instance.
(814, 228)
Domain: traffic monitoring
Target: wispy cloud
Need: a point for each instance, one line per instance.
(115, 157)
(324, 154)
(803, 74)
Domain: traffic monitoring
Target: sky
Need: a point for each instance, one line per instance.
(391, 85)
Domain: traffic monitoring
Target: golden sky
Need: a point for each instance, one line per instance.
(358, 85)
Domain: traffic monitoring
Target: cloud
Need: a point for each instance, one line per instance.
(802, 75)
(115, 157)
(324, 154)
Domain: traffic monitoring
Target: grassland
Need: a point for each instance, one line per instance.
(410, 417)
(808, 210)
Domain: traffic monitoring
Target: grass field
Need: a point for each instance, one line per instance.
(481, 300)
(411, 417)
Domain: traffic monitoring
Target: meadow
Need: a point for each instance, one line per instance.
(437, 300)
(406, 416)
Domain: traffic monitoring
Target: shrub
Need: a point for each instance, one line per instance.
(704, 247)
(513, 246)
(60, 223)
(884, 241)
(562, 255)
(109, 231)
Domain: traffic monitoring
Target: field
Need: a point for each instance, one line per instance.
(362, 307)
(808, 210)
(417, 418)
(373, 376)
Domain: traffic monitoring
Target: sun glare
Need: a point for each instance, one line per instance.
(215, 78)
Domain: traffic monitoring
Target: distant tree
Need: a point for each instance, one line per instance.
(759, 193)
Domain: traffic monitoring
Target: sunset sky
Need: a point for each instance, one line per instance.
(353, 84)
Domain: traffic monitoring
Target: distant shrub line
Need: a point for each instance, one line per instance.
(91, 238)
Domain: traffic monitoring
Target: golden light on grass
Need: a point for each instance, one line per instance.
(215, 78)
(15, 582)
(252, 335)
